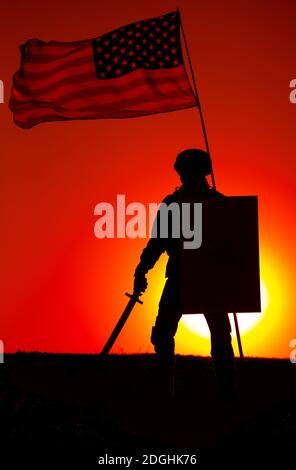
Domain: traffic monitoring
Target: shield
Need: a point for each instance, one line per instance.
(223, 274)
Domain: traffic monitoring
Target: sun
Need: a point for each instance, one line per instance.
(247, 321)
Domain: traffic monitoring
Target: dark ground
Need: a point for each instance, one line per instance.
(60, 410)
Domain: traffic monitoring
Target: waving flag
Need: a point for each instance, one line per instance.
(132, 71)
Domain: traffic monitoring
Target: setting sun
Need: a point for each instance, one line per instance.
(247, 321)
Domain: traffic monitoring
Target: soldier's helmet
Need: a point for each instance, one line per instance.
(193, 161)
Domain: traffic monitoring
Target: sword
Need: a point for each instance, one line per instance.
(134, 298)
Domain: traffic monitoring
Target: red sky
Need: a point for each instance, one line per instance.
(62, 289)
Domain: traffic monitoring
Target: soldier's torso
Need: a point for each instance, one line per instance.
(180, 196)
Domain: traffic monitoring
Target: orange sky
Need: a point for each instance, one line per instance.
(62, 289)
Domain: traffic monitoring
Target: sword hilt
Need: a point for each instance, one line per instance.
(134, 296)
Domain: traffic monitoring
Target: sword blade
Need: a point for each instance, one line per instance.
(120, 324)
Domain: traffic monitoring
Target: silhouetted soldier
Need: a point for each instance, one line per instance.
(193, 166)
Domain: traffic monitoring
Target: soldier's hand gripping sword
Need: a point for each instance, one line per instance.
(140, 285)
(134, 298)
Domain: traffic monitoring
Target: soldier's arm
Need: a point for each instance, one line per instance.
(151, 253)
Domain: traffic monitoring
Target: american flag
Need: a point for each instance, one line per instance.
(131, 71)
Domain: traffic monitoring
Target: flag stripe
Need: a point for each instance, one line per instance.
(139, 96)
(160, 87)
(74, 83)
(34, 49)
(44, 59)
(52, 71)
(121, 109)
(71, 81)
(95, 99)
(36, 86)
(145, 97)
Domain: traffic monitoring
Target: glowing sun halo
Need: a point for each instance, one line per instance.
(247, 321)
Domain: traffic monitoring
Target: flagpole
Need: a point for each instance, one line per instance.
(208, 151)
(197, 100)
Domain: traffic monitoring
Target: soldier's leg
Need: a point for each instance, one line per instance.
(163, 333)
(222, 352)
(167, 320)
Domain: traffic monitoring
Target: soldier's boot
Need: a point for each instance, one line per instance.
(165, 364)
(226, 378)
